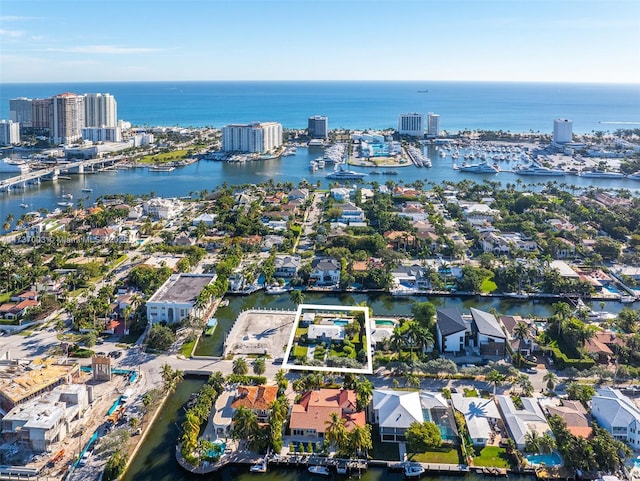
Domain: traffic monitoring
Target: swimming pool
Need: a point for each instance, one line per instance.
(385, 322)
(217, 450)
(340, 322)
(546, 459)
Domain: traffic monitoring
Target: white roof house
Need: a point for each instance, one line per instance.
(617, 414)
(479, 414)
(394, 411)
(519, 422)
(326, 331)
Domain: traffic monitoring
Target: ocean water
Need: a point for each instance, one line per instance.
(515, 107)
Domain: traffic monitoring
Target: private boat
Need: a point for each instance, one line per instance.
(628, 299)
(342, 174)
(534, 169)
(87, 189)
(481, 168)
(65, 204)
(390, 172)
(320, 470)
(67, 196)
(601, 174)
(24, 206)
(413, 470)
(259, 467)
(277, 289)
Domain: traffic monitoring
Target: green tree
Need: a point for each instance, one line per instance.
(115, 466)
(281, 381)
(532, 442)
(495, 378)
(423, 437)
(360, 441)
(259, 366)
(240, 366)
(551, 379)
(424, 313)
(245, 425)
(160, 338)
(296, 296)
(364, 393)
(336, 432)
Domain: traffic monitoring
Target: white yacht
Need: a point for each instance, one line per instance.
(601, 174)
(8, 166)
(535, 169)
(634, 176)
(342, 174)
(481, 168)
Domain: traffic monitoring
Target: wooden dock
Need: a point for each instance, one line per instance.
(431, 467)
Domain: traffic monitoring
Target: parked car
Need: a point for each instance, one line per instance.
(532, 370)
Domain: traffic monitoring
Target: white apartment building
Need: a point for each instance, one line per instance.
(9, 132)
(433, 124)
(177, 297)
(411, 124)
(256, 137)
(102, 134)
(562, 131)
(100, 110)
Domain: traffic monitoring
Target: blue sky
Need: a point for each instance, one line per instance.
(509, 40)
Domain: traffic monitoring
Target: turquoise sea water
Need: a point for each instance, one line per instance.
(518, 107)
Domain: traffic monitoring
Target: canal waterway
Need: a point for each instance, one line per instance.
(210, 174)
(156, 461)
(382, 304)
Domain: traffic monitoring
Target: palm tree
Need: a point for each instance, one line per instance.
(495, 378)
(532, 442)
(240, 366)
(551, 379)
(547, 443)
(364, 392)
(525, 385)
(521, 332)
(281, 381)
(296, 296)
(259, 366)
(397, 341)
(336, 432)
(360, 441)
(245, 425)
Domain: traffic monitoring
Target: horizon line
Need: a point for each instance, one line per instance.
(569, 82)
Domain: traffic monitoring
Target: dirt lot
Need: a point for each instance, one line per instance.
(260, 332)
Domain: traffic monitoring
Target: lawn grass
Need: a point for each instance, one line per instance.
(488, 285)
(5, 297)
(165, 156)
(187, 348)
(492, 456)
(301, 330)
(470, 392)
(300, 351)
(446, 455)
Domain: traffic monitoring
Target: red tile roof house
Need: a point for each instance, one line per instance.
(257, 398)
(19, 309)
(310, 417)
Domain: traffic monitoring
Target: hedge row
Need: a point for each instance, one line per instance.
(563, 362)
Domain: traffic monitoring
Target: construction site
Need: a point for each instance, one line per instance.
(53, 411)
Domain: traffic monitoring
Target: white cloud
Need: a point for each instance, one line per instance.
(105, 49)
(11, 33)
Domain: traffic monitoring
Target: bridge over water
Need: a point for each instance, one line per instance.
(52, 173)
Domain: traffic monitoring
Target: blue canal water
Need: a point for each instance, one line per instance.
(209, 174)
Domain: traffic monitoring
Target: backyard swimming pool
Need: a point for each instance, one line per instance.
(340, 322)
(546, 459)
(385, 322)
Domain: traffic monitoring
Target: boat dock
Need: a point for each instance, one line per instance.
(432, 468)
